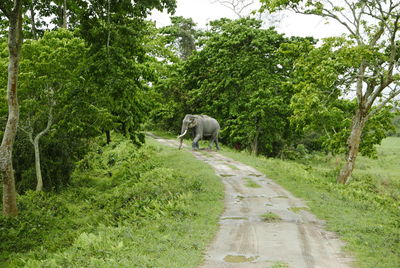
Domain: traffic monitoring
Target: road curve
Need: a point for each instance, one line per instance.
(250, 237)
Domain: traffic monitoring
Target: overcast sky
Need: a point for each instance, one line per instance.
(203, 11)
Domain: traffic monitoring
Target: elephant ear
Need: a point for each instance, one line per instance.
(193, 121)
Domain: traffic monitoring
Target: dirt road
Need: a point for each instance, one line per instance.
(264, 225)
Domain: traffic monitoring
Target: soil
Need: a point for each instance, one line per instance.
(264, 225)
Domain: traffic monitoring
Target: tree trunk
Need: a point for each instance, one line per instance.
(6, 168)
(254, 144)
(64, 15)
(353, 143)
(33, 22)
(108, 26)
(35, 142)
(39, 185)
(108, 136)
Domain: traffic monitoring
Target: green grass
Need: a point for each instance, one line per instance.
(280, 264)
(270, 217)
(252, 184)
(127, 207)
(365, 213)
(297, 209)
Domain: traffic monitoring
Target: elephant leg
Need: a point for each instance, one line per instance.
(195, 144)
(211, 142)
(214, 138)
(216, 141)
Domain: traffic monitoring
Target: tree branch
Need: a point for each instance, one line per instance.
(344, 16)
(49, 123)
(330, 14)
(28, 133)
(391, 96)
(237, 6)
(392, 61)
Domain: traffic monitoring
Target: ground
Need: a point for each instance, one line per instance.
(264, 225)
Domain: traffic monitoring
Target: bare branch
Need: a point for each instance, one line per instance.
(245, 6)
(332, 15)
(344, 16)
(237, 6)
(49, 123)
(392, 95)
(357, 18)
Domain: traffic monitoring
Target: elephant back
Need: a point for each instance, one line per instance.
(210, 125)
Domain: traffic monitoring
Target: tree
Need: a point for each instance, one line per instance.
(373, 27)
(319, 80)
(14, 15)
(35, 141)
(118, 60)
(237, 77)
(50, 68)
(182, 35)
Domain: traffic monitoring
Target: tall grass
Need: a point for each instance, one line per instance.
(126, 207)
(365, 213)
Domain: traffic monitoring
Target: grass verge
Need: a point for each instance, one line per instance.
(126, 207)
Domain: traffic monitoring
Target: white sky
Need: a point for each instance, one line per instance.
(203, 11)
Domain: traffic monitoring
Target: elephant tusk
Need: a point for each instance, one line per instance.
(180, 136)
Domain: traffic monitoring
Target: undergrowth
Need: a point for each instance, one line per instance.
(126, 207)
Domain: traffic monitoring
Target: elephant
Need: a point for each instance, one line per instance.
(203, 126)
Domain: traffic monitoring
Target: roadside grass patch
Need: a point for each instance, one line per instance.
(226, 175)
(270, 217)
(235, 218)
(252, 184)
(280, 264)
(126, 207)
(233, 167)
(239, 258)
(365, 213)
(297, 209)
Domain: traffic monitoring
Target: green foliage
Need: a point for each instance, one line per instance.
(51, 76)
(181, 36)
(396, 124)
(363, 213)
(320, 80)
(119, 68)
(49, 13)
(365, 59)
(126, 207)
(236, 77)
(94, 86)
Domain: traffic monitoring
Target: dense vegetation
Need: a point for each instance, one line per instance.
(94, 75)
(125, 206)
